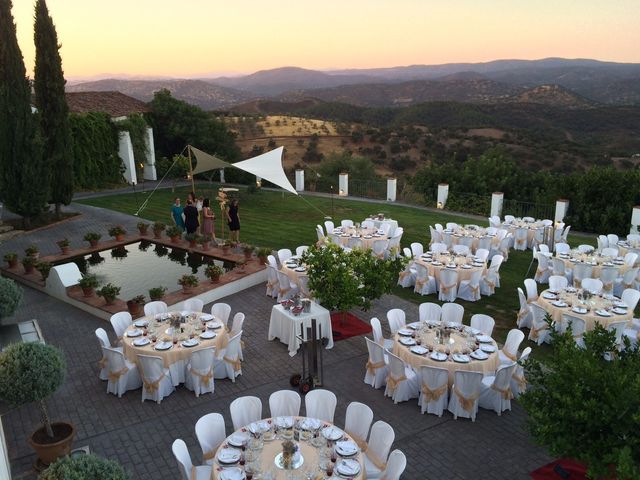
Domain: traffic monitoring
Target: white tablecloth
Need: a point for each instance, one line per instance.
(393, 224)
(286, 326)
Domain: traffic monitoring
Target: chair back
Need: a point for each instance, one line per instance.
(630, 297)
(448, 278)
(417, 249)
(284, 254)
(407, 253)
(531, 287)
(151, 368)
(628, 277)
(396, 464)
(513, 341)
(380, 247)
(115, 359)
(329, 226)
(346, 223)
(562, 247)
(633, 238)
(603, 242)
(358, 421)
(577, 325)
(376, 329)
(182, 456)
(494, 221)
(284, 403)
(232, 352)
(380, 440)
(154, 308)
(429, 311)
(461, 249)
(396, 319)
(482, 254)
(438, 227)
(103, 338)
(558, 266)
(613, 239)
(467, 383)
(608, 277)
(496, 261)
(584, 248)
(272, 274)
(592, 285)
(474, 279)
(630, 259)
(610, 251)
(238, 323)
(451, 225)
(272, 261)
(618, 327)
(396, 365)
(301, 249)
(210, 432)
(434, 377)
(222, 311)
(520, 237)
(245, 410)
(565, 233)
(539, 314)
(120, 322)
(438, 247)
(202, 360)
(557, 283)
(321, 404)
(193, 305)
(523, 300)
(354, 242)
(367, 224)
(376, 351)
(319, 233)
(504, 373)
(483, 322)
(543, 261)
(544, 248)
(452, 313)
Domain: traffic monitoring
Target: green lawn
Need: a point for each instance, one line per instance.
(278, 220)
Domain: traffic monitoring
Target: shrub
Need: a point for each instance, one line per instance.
(188, 281)
(63, 243)
(31, 250)
(44, 268)
(142, 226)
(10, 297)
(159, 227)
(88, 281)
(10, 257)
(92, 237)
(81, 467)
(157, 292)
(109, 292)
(213, 272)
(117, 230)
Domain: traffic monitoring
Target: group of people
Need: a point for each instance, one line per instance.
(198, 217)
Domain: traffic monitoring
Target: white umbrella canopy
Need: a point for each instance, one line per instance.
(269, 167)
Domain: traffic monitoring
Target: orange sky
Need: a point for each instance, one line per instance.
(199, 37)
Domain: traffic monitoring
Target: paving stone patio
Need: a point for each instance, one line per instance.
(140, 435)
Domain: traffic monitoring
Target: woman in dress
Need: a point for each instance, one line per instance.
(233, 218)
(191, 217)
(176, 214)
(208, 218)
(198, 204)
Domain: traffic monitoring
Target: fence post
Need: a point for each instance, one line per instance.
(299, 180)
(392, 184)
(635, 220)
(496, 204)
(443, 193)
(343, 184)
(222, 175)
(562, 205)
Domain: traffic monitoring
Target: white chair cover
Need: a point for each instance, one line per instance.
(448, 288)
(417, 249)
(284, 254)
(301, 249)
(210, 432)
(245, 410)
(154, 308)
(482, 254)
(524, 314)
(557, 283)
(320, 234)
(346, 223)
(193, 305)
(367, 224)
(613, 239)
(494, 221)
(562, 247)
(156, 379)
(610, 251)
(461, 249)
(520, 239)
(539, 332)
(379, 444)
(509, 353)
(376, 368)
(379, 248)
(544, 268)
(284, 403)
(592, 285)
(425, 284)
(492, 279)
(630, 297)
(518, 381)
(565, 234)
(438, 247)
(272, 261)
(122, 375)
(630, 259)
(532, 290)
(585, 248)
(221, 311)
(452, 313)
(237, 324)
(429, 312)
(464, 394)
(580, 272)
(286, 287)
(627, 281)
(578, 327)
(608, 277)
(483, 322)
(433, 390)
(120, 322)
(407, 277)
(199, 371)
(618, 328)
(376, 328)
(329, 226)
(395, 465)
(496, 390)
(321, 404)
(470, 289)
(272, 281)
(439, 227)
(229, 366)
(357, 422)
(396, 318)
(103, 338)
(187, 470)
(402, 381)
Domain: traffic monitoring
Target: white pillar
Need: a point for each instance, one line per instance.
(496, 204)
(125, 152)
(222, 175)
(562, 206)
(443, 193)
(299, 180)
(150, 163)
(392, 183)
(343, 184)
(635, 220)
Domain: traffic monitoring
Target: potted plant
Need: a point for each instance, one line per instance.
(213, 273)
(88, 283)
(174, 234)
(31, 251)
(64, 245)
(143, 227)
(32, 372)
(109, 292)
(92, 238)
(263, 253)
(29, 264)
(117, 232)
(192, 238)
(247, 250)
(135, 305)
(44, 268)
(156, 293)
(188, 282)
(85, 466)
(205, 240)
(240, 265)
(158, 228)
(12, 259)
(10, 297)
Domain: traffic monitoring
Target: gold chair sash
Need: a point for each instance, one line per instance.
(393, 383)
(237, 364)
(577, 282)
(532, 300)
(446, 288)
(511, 357)
(627, 285)
(491, 284)
(378, 462)
(607, 287)
(114, 376)
(475, 290)
(522, 314)
(102, 363)
(372, 367)
(520, 241)
(435, 394)
(210, 455)
(360, 442)
(404, 274)
(283, 291)
(466, 403)
(505, 393)
(272, 283)
(152, 387)
(421, 282)
(204, 378)
(522, 382)
(536, 331)
(194, 472)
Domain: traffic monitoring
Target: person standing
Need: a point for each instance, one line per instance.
(191, 217)
(208, 218)
(198, 204)
(233, 218)
(176, 214)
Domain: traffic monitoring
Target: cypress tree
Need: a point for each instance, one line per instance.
(52, 107)
(21, 165)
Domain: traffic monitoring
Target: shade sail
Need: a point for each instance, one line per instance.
(206, 161)
(268, 166)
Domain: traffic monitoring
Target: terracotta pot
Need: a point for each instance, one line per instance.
(248, 255)
(187, 290)
(65, 250)
(155, 299)
(93, 243)
(13, 263)
(109, 301)
(175, 239)
(192, 243)
(28, 269)
(35, 256)
(134, 308)
(205, 246)
(262, 259)
(143, 232)
(50, 452)
(157, 233)
(215, 279)
(119, 238)
(87, 291)
(225, 249)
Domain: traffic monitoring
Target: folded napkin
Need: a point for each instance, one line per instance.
(332, 432)
(232, 474)
(349, 467)
(347, 447)
(228, 455)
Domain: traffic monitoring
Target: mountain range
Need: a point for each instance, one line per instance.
(572, 83)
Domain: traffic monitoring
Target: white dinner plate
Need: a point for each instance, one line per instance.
(580, 310)
(141, 342)
(487, 348)
(346, 448)
(405, 332)
(229, 456)
(438, 356)
(603, 313)
(479, 355)
(407, 341)
(214, 325)
(134, 333)
(284, 422)
(238, 439)
(348, 467)
(161, 346)
(301, 269)
(141, 323)
(620, 311)
(205, 317)
(332, 433)
(559, 304)
(234, 473)
(466, 267)
(414, 325)
(419, 350)
(549, 295)
(483, 338)
(207, 335)
(460, 358)
(192, 342)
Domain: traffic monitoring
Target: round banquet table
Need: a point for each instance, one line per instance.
(475, 234)
(260, 454)
(624, 247)
(596, 261)
(176, 357)
(570, 297)
(444, 259)
(366, 235)
(293, 274)
(460, 343)
(530, 227)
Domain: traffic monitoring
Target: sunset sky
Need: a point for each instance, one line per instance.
(185, 38)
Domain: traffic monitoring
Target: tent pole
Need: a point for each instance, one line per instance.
(193, 187)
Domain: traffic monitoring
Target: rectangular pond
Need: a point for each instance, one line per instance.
(139, 266)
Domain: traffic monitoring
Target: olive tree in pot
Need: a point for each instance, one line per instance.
(32, 372)
(85, 466)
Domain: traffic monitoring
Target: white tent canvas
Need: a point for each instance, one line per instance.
(268, 166)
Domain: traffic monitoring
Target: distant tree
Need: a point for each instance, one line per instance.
(52, 108)
(21, 166)
(271, 143)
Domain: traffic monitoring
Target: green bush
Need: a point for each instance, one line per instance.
(84, 467)
(10, 297)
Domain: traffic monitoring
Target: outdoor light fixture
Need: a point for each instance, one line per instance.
(440, 205)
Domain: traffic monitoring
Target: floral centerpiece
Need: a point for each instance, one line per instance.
(289, 450)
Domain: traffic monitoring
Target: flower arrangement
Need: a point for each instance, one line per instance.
(109, 292)
(213, 272)
(188, 281)
(288, 451)
(143, 227)
(44, 268)
(12, 259)
(31, 251)
(92, 238)
(117, 232)
(156, 293)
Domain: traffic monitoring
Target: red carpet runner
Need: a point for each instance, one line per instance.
(347, 325)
